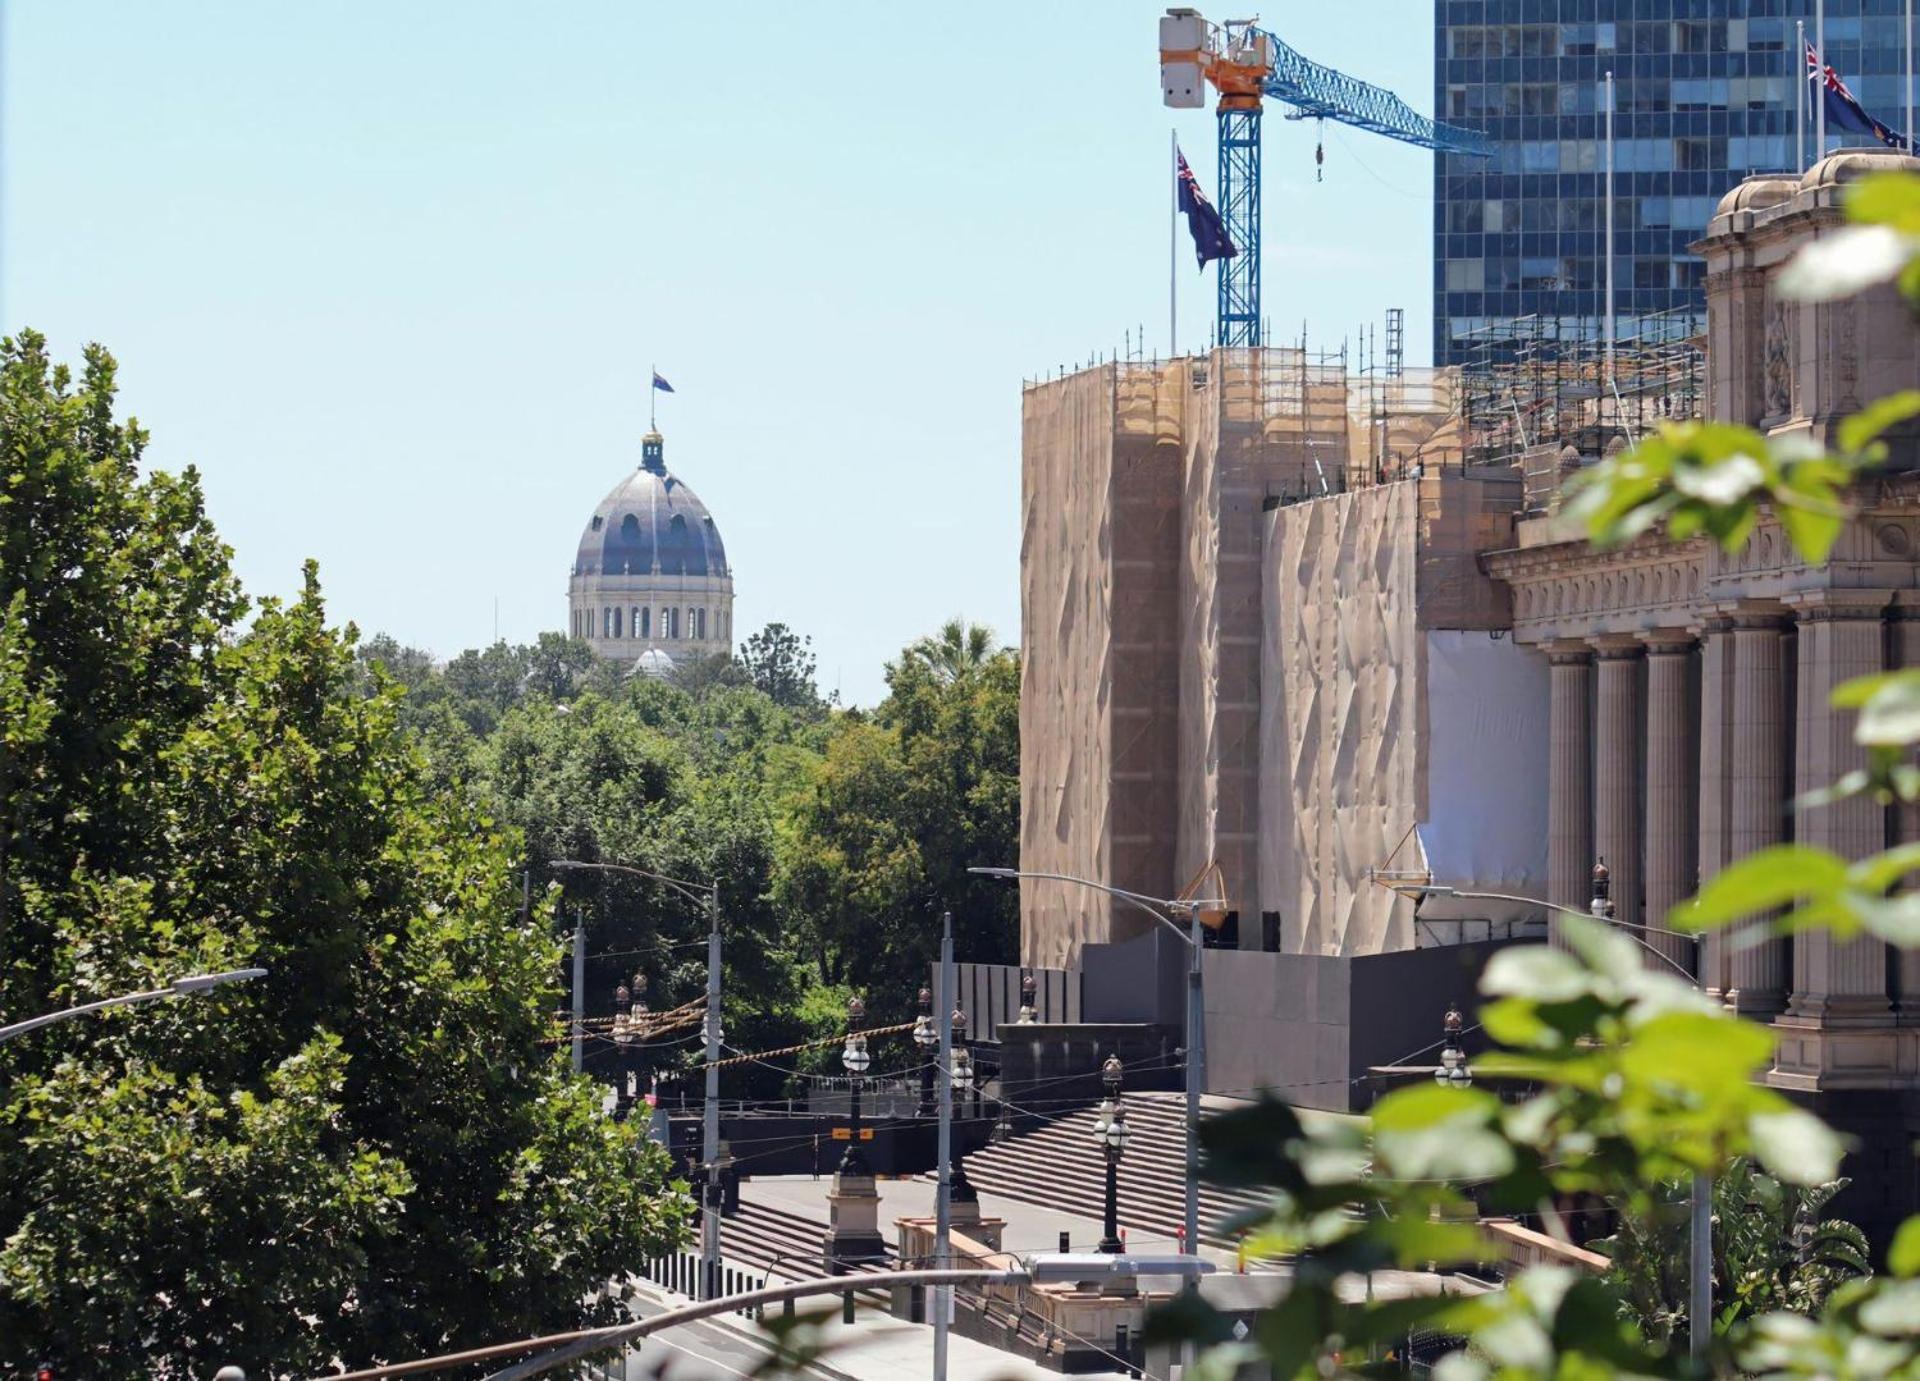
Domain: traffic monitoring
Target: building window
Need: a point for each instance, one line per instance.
(673, 624)
(646, 622)
(700, 624)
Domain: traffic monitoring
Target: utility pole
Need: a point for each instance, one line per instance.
(579, 991)
(710, 1137)
(943, 1196)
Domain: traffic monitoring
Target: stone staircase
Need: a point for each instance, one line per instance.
(761, 1244)
(1058, 1165)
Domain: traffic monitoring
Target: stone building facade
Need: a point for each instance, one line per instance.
(1689, 686)
(650, 584)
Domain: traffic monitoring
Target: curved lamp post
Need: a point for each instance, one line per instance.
(1700, 1293)
(1167, 911)
(1110, 1131)
(180, 987)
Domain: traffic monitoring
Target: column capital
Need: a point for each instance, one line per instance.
(1822, 606)
(1748, 616)
(1618, 647)
(1566, 652)
(1668, 642)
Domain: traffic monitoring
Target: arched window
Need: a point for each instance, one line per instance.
(673, 624)
(616, 623)
(646, 621)
(700, 623)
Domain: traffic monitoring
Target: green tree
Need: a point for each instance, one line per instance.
(374, 1152)
(780, 664)
(959, 648)
(1772, 1250)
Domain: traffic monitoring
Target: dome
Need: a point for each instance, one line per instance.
(655, 663)
(1757, 193)
(649, 523)
(1850, 165)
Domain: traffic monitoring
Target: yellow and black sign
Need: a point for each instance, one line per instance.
(846, 1134)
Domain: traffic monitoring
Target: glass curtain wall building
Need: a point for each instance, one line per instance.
(1707, 91)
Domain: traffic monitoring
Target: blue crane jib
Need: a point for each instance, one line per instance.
(1318, 92)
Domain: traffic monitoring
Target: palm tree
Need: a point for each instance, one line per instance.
(1772, 1250)
(960, 647)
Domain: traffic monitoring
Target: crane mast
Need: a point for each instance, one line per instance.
(1246, 64)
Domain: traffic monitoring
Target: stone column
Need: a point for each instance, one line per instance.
(1836, 982)
(1756, 795)
(1716, 716)
(1906, 653)
(1570, 780)
(1670, 831)
(1616, 774)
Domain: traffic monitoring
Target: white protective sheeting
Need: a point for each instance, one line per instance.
(1484, 825)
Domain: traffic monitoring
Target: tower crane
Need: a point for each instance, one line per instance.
(1246, 64)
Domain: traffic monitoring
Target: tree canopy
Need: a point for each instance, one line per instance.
(377, 1150)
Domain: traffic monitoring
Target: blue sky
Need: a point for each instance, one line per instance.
(392, 275)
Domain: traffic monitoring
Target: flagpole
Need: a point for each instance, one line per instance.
(1820, 110)
(653, 396)
(1173, 247)
(1610, 317)
(1909, 18)
(1806, 87)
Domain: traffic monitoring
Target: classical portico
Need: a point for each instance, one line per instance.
(1690, 686)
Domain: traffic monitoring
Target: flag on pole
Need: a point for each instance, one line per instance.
(1843, 108)
(661, 383)
(1210, 238)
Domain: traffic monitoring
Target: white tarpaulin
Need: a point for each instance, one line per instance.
(1484, 825)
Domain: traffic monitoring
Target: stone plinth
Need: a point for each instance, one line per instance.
(853, 1223)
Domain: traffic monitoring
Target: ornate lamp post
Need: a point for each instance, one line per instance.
(962, 1055)
(961, 1191)
(1029, 1000)
(1110, 1130)
(857, 1061)
(927, 1037)
(1452, 1068)
(1602, 905)
(623, 1038)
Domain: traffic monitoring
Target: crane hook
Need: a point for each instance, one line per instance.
(1320, 154)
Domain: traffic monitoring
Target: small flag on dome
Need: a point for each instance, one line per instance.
(661, 383)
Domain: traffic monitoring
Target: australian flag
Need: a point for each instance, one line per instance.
(1210, 239)
(1844, 110)
(660, 383)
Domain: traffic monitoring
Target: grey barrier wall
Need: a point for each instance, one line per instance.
(990, 995)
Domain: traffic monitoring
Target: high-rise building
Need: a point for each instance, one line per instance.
(1706, 95)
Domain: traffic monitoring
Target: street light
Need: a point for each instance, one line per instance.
(1163, 910)
(179, 987)
(1110, 1132)
(964, 1079)
(857, 1060)
(707, 894)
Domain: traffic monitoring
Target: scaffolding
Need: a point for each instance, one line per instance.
(1535, 386)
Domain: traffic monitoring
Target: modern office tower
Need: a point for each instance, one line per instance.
(1706, 95)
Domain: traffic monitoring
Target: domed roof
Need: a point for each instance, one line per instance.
(1757, 193)
(651, 523)
(655, 663)
(1850, 165)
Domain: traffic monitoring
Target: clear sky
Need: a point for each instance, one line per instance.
(392, 274)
